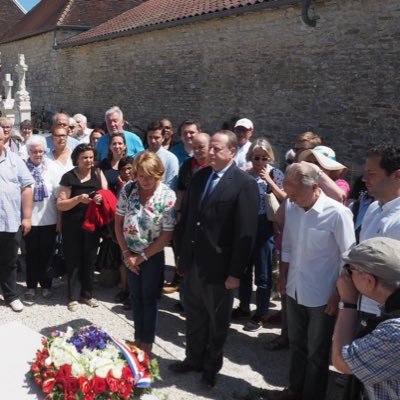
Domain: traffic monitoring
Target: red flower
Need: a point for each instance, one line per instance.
(38, 380)
(35, 368)
(113, 383)
(73, 384)
(64, 371)
(125, 390)
(62, 382)
(48, 385)
(127, 375)
(99, 385)
(84, 384)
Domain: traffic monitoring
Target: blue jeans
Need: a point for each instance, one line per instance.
(262, 261)
(145, 291)
(310, 338)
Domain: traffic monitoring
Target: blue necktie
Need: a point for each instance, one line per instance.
(210, 187)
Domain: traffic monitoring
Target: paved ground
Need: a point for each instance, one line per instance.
(247, 365)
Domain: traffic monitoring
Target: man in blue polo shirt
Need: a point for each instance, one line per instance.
(115, 122)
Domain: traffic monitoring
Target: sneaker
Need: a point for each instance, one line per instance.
(47, 293)
(17, 305)
(30, 294)
(254, 324)
(238, 313)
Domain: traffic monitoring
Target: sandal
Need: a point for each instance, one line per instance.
(277, 344)
(73, 306)
(90, 302)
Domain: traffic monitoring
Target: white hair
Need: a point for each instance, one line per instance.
(114, 109)
(81, 117)
(303, 173)
(36, 140)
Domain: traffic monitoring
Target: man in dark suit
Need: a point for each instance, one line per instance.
(219, 221)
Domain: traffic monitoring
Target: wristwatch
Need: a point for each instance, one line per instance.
(343, 305)
(142, 254)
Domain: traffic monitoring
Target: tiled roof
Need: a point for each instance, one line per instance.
(82, 14)
(10, 13)
(157, 12)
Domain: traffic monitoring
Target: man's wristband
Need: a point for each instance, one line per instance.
(126, 251)
(142, 254)
(343, 305)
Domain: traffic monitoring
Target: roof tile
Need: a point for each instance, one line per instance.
(155, 12)
(79, 13)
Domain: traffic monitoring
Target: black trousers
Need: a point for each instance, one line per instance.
(8, 269)
(208, 308)
(80, 251)
(39, 247)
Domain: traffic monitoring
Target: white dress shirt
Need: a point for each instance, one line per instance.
(240, 157)
(380, 220)
(312, 244)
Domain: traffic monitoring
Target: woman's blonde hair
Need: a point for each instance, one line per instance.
(150, 164)
(263, 144)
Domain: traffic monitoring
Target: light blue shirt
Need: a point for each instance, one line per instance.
(71, 143)
(14, 176)
(133, 145)
(171, 165)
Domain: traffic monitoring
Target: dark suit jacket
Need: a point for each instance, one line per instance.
(219, 235)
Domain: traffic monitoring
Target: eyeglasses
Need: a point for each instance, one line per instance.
(261, 158)
(71, 127)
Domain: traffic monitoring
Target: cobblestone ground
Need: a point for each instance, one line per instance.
(248, 367)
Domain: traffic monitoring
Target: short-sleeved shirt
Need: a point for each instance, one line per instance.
(144, 223)
(14, 176)
(44, 212)
(374, 360)
(180, 152)
(133, 145)
(277, 177)
(71, 180)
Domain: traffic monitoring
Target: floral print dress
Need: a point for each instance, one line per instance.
(144, 223)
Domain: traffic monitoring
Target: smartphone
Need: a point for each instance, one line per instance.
(92, 194)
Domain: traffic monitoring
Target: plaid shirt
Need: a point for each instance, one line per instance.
(14, 176)
(374, 360)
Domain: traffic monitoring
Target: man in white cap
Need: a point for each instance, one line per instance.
(244, 131)
(372, 269)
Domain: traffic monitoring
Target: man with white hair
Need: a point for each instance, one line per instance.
(115, 124)
(82, 130)
(316, 232)
(15, 211)
(372, 357)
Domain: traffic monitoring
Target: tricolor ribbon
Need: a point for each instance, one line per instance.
(142, 378)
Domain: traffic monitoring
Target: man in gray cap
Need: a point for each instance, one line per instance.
(372, 269)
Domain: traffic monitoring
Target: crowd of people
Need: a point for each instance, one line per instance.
(227, 211)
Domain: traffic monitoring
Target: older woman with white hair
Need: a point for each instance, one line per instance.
(44, 217)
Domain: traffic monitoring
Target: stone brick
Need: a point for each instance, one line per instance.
(339, 79)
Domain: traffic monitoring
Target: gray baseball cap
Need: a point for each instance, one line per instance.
(379, 256)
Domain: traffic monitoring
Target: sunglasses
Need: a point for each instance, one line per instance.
(261, 158)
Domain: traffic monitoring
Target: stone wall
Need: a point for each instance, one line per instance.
(339, 79)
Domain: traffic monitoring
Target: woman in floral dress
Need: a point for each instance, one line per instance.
(144, 225)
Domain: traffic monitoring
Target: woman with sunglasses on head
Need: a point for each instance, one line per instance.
(261, 156)
(78, 189)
